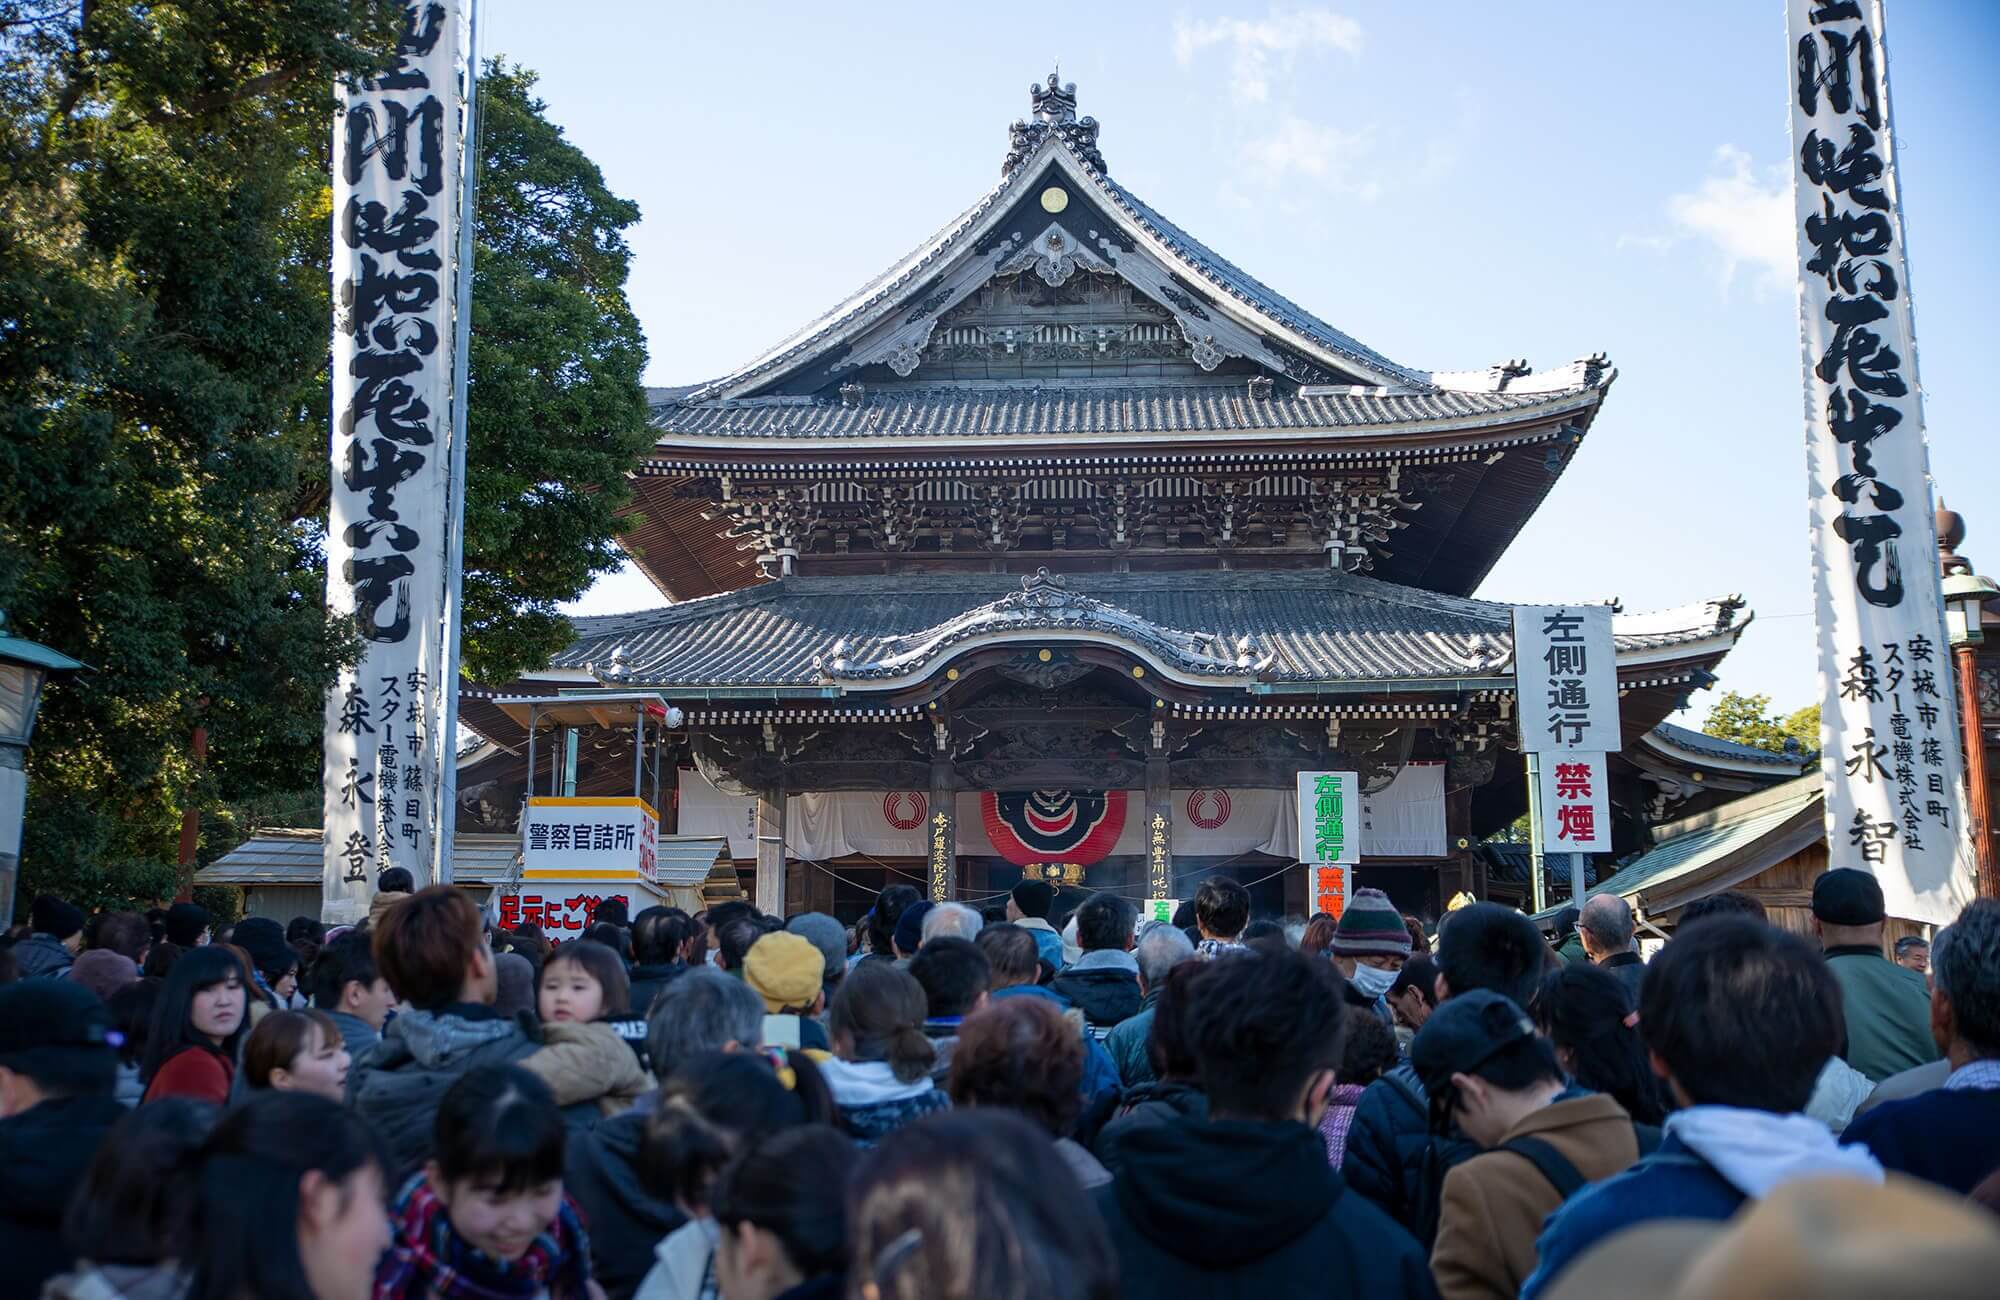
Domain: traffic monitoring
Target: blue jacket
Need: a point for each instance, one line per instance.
(1127, 1044)
(1947, 1137)
(1672, 1183)
(1100, 1076)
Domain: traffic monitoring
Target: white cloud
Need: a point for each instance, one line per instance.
(1324, 153)
(1744, 212)
(1257, 46)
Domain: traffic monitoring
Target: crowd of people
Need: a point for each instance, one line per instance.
(1039, 1101)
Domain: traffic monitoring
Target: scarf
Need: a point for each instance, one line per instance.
(1756, 1150)
(429, 1259)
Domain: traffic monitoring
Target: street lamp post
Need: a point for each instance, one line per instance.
(24, 669)
(1965, 595)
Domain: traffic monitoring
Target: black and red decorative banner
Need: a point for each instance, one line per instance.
(1076, 826)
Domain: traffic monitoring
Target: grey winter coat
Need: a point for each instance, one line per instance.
(42, 954)
(397, 1084)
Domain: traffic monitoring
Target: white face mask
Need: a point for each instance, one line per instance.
(1373, 981)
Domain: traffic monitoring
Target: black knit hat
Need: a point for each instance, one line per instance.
(185, 922)
(1844, 896)
(1034, 898)
(50, 915)
(42, 1018)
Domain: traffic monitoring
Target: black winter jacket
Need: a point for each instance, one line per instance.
(601, 1172)
(649, 979)
(1105, 994)
(1147, 1105)
(1230, 1208)
(1392, 1157)
(44, 1152)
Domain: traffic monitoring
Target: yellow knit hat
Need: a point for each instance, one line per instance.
(785, 969)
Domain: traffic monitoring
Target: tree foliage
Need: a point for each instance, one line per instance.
(164, 321)
(1747, 719)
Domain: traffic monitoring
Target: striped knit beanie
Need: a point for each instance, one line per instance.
(1371, 926)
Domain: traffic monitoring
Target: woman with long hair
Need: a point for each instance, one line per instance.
(191, 1048)
(289, 1204)
(1588, 1016)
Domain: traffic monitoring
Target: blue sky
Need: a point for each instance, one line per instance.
(1453, 184)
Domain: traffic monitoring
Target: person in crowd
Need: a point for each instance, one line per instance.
(58, 1067)
(274, 966)
(1569, 943)
(487, 1215)
(122, 934)
(1265, 936)
(200, 1020)
(880, 1074)
(702, 1012)
(1244, 1202)
(528, 942)
(1370, 945)
(612, 911)
(733, 938)
(54, 938)
(131, 1218)
(1738, 1017)
(618, 938)
(1540, 1139)
(1913, 952)
(1886, 1006)
(1104, 980)
(188, 925)
(1369, 1054)
(1317, 938)
(391, 887)
(131, 1010)
(584, 1060)
(714, 1107)
(1028, 906)
(352, 993)
(1951, 1136)
(1171, 1093)
(1221, 910)
(788, 972)
(658, 935)
(1591, 1018)
(1420, 939)
(781, 1217)
(296, 1051)
(1022, 1055)
(830, 937)
(160, 959)
(953, 974)
(1015, 955)
(952, 920)
(104, 972)
(1730, 902)
(288, 1202)
(909, 935)
(1393, 1157)
(1917, 1079)
(516, 986)
(1160, 948)
(882, 919)
(1610, 938)
(975, 1205)
(432, 948)
(1412, 994)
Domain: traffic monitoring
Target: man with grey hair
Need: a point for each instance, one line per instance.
(1951, 1135)
(704, 1010)
(1606, 927)
(1161, 947)
(953, 919)
(830, 937)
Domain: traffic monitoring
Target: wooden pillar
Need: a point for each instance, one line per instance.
(942, 816)
(1159, 839)
(771, 850)
(1464, 872)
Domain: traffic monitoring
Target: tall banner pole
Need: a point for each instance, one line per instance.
(461, 400)
(1889, 752)
(396, 147)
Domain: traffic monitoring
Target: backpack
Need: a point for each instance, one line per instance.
(1563, 1175)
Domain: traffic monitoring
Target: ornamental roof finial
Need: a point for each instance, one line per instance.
(1054, 113)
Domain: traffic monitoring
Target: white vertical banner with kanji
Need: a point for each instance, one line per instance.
(395, 195)
(1889, 743)
(1566, 679)
(1575, 803)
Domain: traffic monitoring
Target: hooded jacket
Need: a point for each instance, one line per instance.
(396, 1084)
(42, 954)
(873, 1102)
(1233, 1208)
(44, 1152)
(601, 1173)
(1048, 942)
(1104, 987)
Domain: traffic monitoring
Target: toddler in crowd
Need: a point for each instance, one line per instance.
(583, 986)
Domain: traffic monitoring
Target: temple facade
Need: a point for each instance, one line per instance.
(1061, 547)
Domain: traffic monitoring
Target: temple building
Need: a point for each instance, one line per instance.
(1061, 546)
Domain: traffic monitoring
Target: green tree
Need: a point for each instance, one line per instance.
(164, 238)
(1748, 720)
